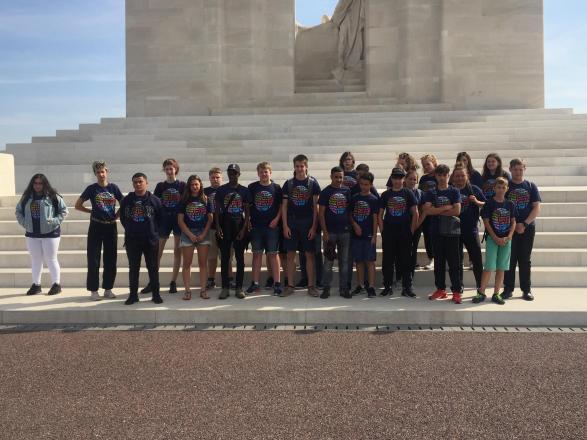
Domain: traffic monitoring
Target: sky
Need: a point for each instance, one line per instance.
(62, 62)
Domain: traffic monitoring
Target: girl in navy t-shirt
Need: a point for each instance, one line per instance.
(347, 163)
(492, 169)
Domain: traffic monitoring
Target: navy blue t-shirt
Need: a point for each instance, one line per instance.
(351, 179)
(141, 215)
(470, 211)
(236, 208)
(336, 201)
(170, 195)
(211, 194)
(362, 209)
(397, 206)
(524, 195)
(266, 202)
(419, 194)
(299, 195)
(103, 200)
(439, 198)
(427, 182)
(488, 186)
(476, 179)
(195, 213)
(500, 215)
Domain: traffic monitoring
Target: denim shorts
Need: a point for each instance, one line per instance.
(184, 241)
(169, 223)
(300, 228)
(363, 250)
(265, 239)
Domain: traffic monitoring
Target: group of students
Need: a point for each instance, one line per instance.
(339, 222)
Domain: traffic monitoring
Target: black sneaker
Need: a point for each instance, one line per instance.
(325, 293)
(346, 293)
(386, 291)
(408, 292)
(173, 287)
(132, 298)
(277, 291)
(506, 295)
(55, 289)
(480, 297)
(269, 283)
(497, 299)
(210, 284)
(371, 292)
(358, 290)
(527, 296)
(302, 284)
(34, 289)
(157, 299)
(254, 288)
(147, 289)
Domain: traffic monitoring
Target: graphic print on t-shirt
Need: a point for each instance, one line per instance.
(442, 201)
(263, 201)
(138, 213)
(236, 206)
(349, 181)
(196, 211)
(35, 209)
(396, 206)
(520, 197)
(106, 202)
(337, 203)
(500, 220)
(464, 202)
(170, 198)
(299, 195)
(361, 211)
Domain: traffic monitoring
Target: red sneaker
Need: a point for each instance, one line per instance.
(439, 294)
(456, 298)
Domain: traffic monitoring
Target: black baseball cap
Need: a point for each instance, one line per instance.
(398, 172)
(234, 167)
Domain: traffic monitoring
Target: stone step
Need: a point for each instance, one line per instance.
(329, 88)
(76, 277)
(316, 109)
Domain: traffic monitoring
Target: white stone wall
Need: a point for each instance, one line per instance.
(6, 175)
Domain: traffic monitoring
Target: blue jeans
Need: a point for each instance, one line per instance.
(265, 239)
(343, 242)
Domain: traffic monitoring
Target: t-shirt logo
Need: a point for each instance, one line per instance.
(489, 188)
(263, 201)
(443, 201)
(429, 185)
(138, 213)
(337, 203)
(396, 206)
(349, 182)
(196, 211)
(35, 210)
(464, 202)
(170, 198)
(106, 202)
(520, 197)
(236, 206)
(500, 220)
(361, 211)
(300, 195)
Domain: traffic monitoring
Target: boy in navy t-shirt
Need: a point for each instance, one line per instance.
(398, 219)
(266, 199)
(334, 219)
(102, 232)
(364, 209)
(526, 197)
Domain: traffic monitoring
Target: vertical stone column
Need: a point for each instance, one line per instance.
(7, 187)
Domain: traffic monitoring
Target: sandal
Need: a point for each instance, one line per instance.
(187, 296)
(204, 294)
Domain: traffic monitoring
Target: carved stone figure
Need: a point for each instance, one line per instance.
(349, 17)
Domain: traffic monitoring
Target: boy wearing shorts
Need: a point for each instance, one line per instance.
(499, 217)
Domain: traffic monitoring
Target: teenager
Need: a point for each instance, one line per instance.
(169, 192)
(499, 217)
(472, 200)
(364, 210)
(492, 169)
(347, 163)
(141, 214)
(300, 221)
(363, 168)
(526, 197)
(40, 211)
(102, 232)
(444, 201)
(405, 161)
(266, 203)
(194, 218)
(428, 182)
(333, 213)
(232, 218)
(474, 176)
(411, 183)
(398, 220)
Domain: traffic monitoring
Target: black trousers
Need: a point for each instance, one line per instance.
(106, 237)
(230, 230)
(415, 242)
(522, 245)
(397, 249)
(470, 241)
(428, 238)
(447, 250)
(136, 248)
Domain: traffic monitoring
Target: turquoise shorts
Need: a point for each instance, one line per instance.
(497, 257)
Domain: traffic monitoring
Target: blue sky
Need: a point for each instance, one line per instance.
(62, 61)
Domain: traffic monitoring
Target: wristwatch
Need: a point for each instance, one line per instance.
(525, 224)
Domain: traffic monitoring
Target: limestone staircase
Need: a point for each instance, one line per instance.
(553, 141)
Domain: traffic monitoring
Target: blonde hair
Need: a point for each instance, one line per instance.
(214, 170)
(264, 166)
(502, 181)
(431, 158)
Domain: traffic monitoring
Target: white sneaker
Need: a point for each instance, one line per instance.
(430, 265)
(109, 294)
(95, 296)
